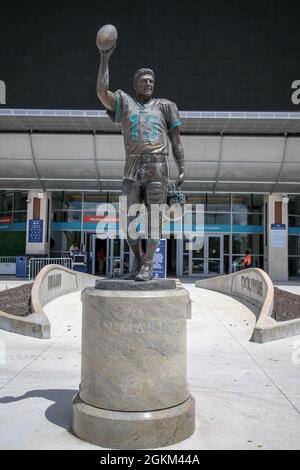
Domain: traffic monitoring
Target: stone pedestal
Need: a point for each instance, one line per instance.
(134, 392)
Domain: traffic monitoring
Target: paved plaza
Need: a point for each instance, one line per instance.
(247, 394)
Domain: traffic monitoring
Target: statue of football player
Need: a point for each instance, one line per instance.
(146, 123)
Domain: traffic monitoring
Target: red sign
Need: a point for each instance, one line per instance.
(95, 219)
(6, 220)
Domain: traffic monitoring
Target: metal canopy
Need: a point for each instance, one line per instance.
(83, 151)
(194, 122)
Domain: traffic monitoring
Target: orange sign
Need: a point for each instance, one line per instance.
(6, 220)
(95, 219)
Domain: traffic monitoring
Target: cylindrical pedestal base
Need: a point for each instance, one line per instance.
(133, 430)
(134, 392)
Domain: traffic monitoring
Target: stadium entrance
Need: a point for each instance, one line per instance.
(112, 257)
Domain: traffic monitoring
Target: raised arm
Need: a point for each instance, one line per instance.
(178, 154)
(107, 98)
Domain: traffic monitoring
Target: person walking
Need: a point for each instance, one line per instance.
(247, 263)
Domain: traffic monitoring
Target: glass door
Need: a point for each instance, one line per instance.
(214, 256)
(197, 261)
(119, 257)
(125, 259)
(205, 261)
(95, 246)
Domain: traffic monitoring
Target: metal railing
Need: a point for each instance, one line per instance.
(37, 264)
(7, 266)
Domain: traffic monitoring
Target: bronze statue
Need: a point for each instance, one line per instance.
(146, 123)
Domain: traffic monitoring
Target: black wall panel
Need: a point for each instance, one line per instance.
(207, 55)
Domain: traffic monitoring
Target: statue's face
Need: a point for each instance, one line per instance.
(145, 87)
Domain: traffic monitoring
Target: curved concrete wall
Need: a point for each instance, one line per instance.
(36, 325)
(256, 288)
(53, 281)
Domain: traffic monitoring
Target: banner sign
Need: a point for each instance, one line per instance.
(278, 235)
(160, 261)
(35, 234)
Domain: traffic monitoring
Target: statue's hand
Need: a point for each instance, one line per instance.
(109, 52)
(180, 179)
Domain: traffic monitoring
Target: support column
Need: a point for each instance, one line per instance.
(276, 237)
(38, 223)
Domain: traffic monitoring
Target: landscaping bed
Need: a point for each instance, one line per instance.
(17, 301)
(286, 305)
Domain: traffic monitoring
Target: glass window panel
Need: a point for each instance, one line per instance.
(55, 244)
(258, 262)
(117, 246)
(253, 242)
(218, 203)
(6, 201)
(198, 253)
(197, 266)
(237, 263)
(67, 239)
(257, 203)
(57, 200)
(92, 200)
(66, 217)
(243, 218)
(72, 201)
(258, 244)
(126, 263)
(20, 203)
(187, 242)
(294, 245)
(20, 217)
(185, 265)
(116, 205)
(294, 267)
(226, 264)
(255, 219)
(226, 244)
(217, 219)
(239, 243)
(214, 244)
(113, 197)
(12, 243)
(294, 205)
(196, 199)
(247, 202)
(241, 202)
(213, 266)
(294, 221)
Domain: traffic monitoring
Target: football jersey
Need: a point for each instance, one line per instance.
(145, 128)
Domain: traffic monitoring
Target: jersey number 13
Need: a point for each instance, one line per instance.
(149, 123)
